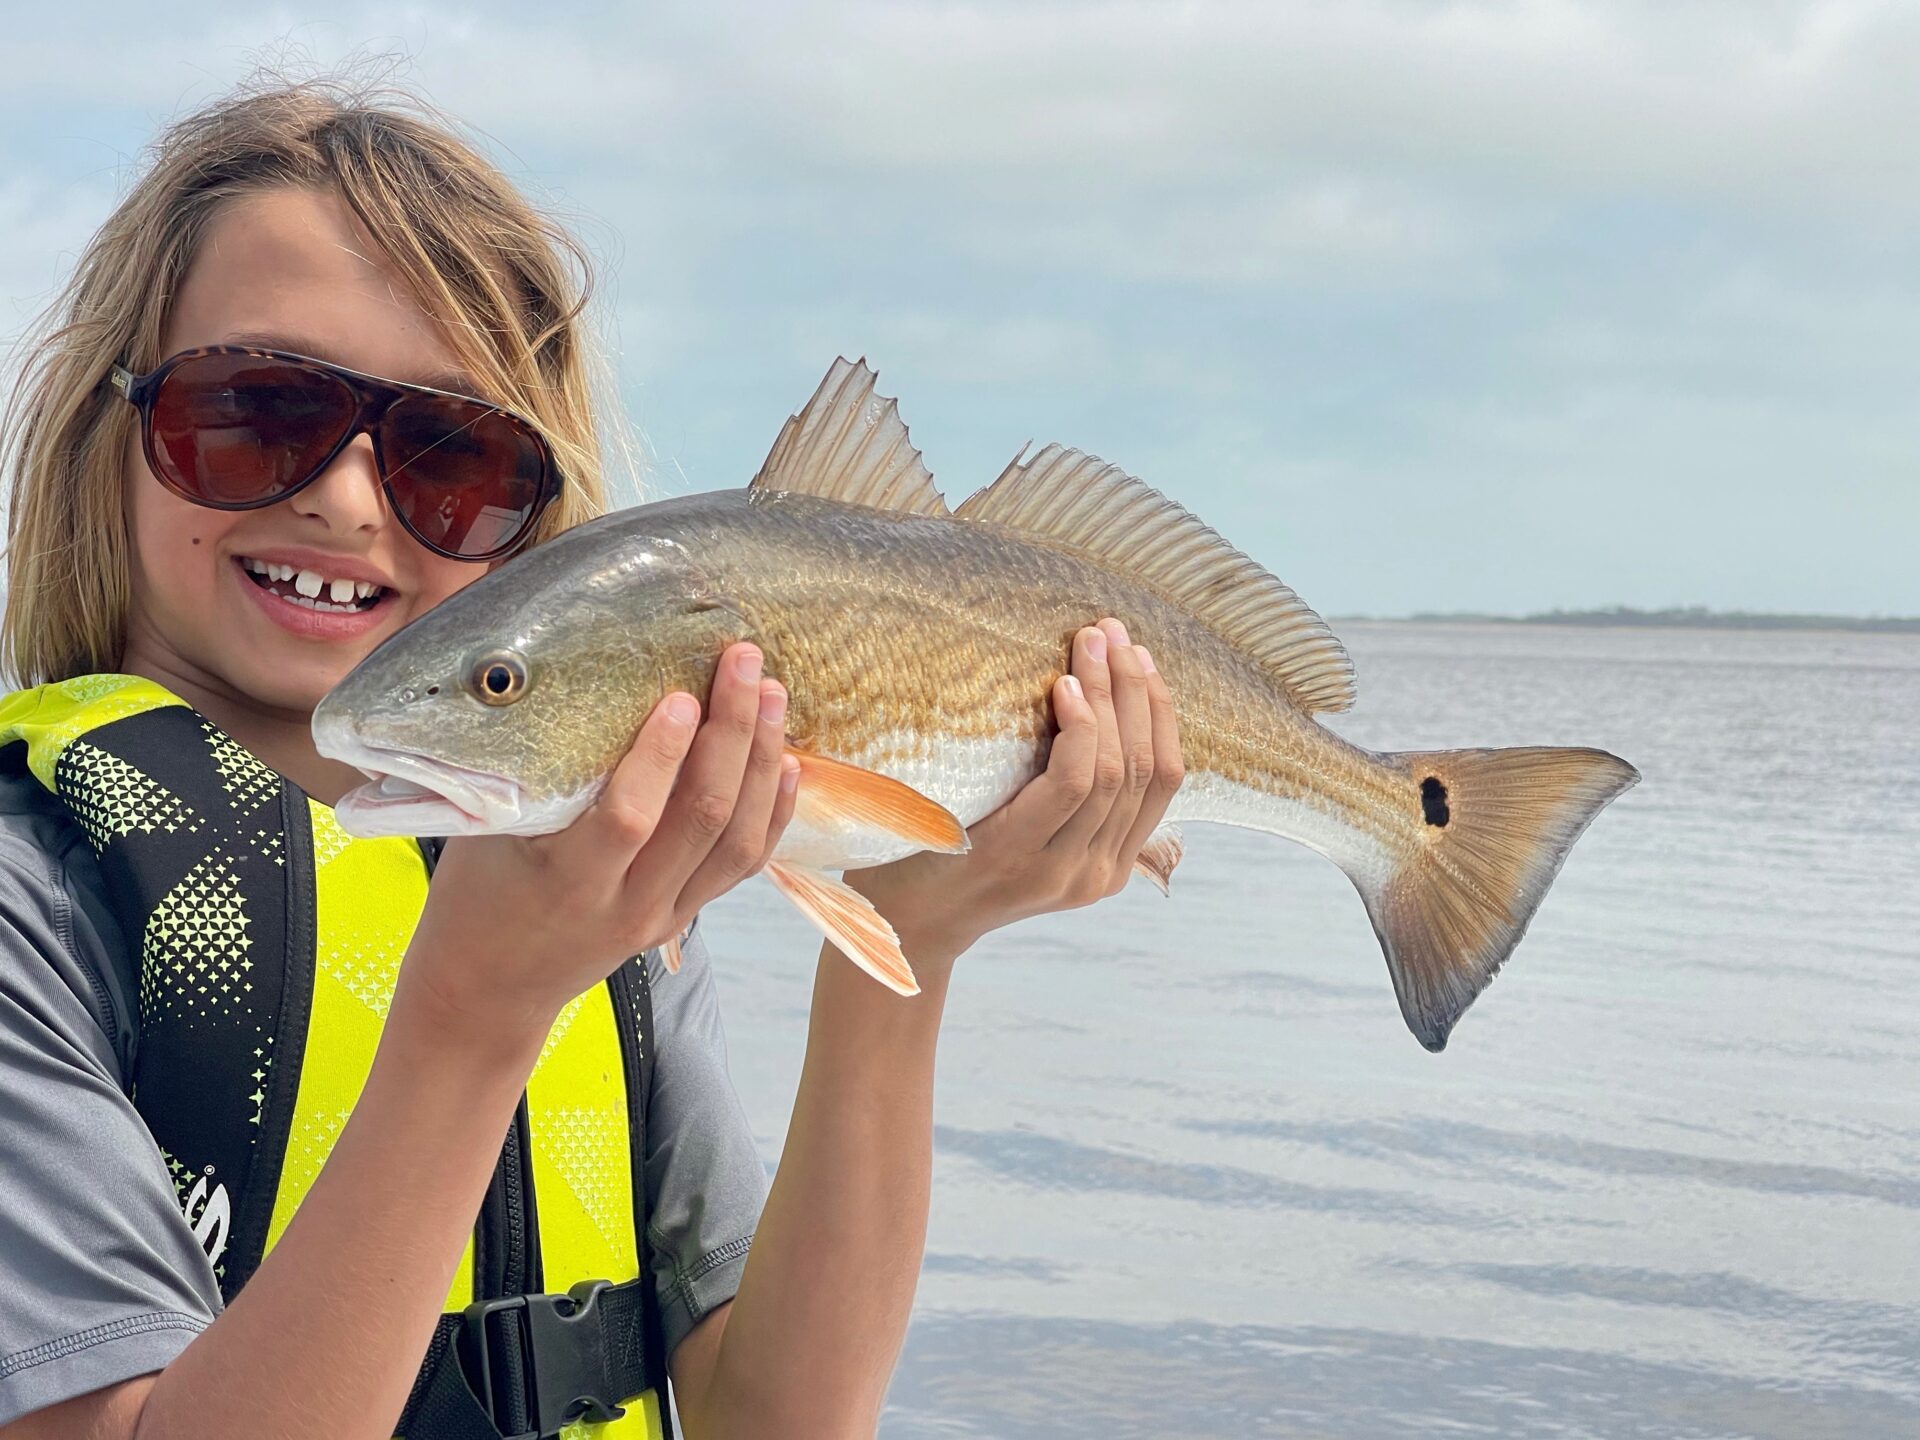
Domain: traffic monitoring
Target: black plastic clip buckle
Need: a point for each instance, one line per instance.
(557, 1347)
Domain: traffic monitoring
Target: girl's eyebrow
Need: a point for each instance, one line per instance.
(458, 381)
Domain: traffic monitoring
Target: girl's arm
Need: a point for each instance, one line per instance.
(808, 1345)
(326, 1338)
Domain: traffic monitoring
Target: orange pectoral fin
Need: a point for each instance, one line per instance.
(834, 794)
(848, 919)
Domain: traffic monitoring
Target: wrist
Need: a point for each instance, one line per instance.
(933, 933)
(497, 1031)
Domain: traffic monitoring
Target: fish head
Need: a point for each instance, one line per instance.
(503, 710)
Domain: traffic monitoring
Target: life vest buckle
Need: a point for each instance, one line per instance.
(541, 1360)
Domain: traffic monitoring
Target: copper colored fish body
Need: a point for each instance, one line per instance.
(919, 647)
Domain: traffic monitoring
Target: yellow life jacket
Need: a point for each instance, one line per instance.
(265, 943)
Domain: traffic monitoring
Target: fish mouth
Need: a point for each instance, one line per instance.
(409, 794)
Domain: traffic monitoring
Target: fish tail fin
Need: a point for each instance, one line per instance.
(1499, 824)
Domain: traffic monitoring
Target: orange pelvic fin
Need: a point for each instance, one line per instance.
(848, 919)
(1163, 851)
(835, 796)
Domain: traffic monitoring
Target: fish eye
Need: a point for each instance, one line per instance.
(499, 677)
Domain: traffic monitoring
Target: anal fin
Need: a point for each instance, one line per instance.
(848, 919)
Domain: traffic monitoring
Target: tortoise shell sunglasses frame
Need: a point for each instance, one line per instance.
(466, 478)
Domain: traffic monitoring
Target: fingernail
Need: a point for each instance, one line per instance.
(1097, 644)
(682, 709)
(789, 774)
(1119, 633)
(1146, 658)
(747, 663)
(773, 703)
(1073, 686)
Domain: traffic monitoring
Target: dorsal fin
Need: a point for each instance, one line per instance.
(849, 444)
(1079, 500)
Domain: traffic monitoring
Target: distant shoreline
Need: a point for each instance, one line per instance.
(1681, 618)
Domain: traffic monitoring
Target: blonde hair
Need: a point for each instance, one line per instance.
(507, 283)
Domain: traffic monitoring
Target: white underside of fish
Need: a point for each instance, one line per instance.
(974, 777)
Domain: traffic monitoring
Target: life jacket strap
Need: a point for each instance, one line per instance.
(526, 1366)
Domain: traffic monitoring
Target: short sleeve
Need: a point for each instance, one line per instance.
(103, 1277)
(705, 1180)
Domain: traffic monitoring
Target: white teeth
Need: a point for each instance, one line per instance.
(310, 585)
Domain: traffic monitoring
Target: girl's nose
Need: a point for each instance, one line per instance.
(347, 495)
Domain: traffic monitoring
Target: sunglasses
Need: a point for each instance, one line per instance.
(234, 428)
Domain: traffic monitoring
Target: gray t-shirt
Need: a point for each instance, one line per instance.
(102, 1277)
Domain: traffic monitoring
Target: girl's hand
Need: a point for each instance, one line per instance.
(1070, 837)
(516, 926)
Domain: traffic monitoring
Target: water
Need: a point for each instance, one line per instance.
(1195, 1178)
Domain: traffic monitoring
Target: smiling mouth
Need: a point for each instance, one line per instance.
(310, 590)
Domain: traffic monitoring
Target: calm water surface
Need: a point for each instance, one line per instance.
(1195, 1178)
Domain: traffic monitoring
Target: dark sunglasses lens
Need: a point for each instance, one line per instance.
(465, 477)
(237, 429)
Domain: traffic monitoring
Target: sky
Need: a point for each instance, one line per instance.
(1427, 306)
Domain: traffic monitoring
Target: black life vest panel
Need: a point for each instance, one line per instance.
(266, 943)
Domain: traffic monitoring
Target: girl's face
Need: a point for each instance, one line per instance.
(286, 269)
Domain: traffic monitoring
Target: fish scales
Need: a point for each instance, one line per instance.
(898, 634)
(920, 647)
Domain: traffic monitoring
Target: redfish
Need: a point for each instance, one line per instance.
(920, 645)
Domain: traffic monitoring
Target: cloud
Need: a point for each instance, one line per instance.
(1766, 103)
(1455, 266)
(1332, 230)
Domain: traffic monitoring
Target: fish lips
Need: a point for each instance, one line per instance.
(409, 794)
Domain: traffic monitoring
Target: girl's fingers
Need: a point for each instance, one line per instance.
(701, 806)
(1169, 769)
(738, 852)
(1091, 664)
(627, 813)
(788, 792)
(1133, 715)
(1055, 796)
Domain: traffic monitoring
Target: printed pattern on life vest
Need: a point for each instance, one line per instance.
(209, 877)
(112, 799)
(66, 710)
(587, 1147)
(241, 946)
(194, 957)
(248, 782)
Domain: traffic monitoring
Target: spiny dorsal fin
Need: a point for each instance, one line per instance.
(849, 444)
(1079, 500)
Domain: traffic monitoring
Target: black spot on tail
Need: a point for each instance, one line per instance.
(1433, 801)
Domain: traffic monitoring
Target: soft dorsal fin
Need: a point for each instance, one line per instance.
(849, 444)
(1079, 500)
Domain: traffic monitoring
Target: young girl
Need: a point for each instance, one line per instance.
(318, 343)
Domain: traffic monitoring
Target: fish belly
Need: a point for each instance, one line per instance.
(975, 776)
